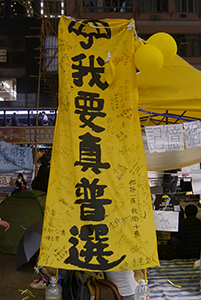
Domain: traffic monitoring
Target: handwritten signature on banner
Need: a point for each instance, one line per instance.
(98, 209)
(90, 106)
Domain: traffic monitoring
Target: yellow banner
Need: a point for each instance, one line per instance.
(98, 213)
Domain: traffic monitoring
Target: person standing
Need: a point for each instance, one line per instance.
(125, 282)
(188, 239)
(44, 119)
(40, 182)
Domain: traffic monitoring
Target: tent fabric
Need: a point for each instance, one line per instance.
(21, 210)
(169, 160)
(179, 272)
(176, 88)
(172, 159)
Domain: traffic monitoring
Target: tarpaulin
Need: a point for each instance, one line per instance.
(14, 157)
(175, 89)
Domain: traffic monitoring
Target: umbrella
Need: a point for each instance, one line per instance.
(29, 243)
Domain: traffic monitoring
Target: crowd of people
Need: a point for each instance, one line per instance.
(42, 118)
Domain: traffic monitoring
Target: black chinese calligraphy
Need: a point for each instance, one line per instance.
(90, 154)
(89, 107)
(101, 29)
(95, 245)
(84, 70)
(92, 207)
(17, 156)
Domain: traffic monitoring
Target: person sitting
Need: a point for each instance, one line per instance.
(188, 239)
(20, 183)
(14, 120)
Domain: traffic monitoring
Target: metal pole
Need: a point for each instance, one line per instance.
(167, 117)
(37, 107)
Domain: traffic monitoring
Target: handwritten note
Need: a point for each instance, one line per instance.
(165, 138)
(192, 133)
(196, 181)
(166, 220)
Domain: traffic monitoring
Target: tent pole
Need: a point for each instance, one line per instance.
(167, 117)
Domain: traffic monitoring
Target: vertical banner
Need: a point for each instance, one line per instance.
(98, 212)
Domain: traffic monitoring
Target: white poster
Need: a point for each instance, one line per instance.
(166, 220)
(192, 134)
(165, 138)
(196, 181)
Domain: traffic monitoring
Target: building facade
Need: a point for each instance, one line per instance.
(180, 18)
(20, 23)
(28, 40)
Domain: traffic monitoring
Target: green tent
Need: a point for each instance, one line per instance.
(21, 210)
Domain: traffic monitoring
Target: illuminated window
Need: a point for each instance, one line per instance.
(16, 117)
(52, 8)
(8, 89)
(51, 54)
(107, 5)
(51, 114)
(19, 10)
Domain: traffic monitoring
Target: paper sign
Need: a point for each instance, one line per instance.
(196, 181)
(192, 134)
(165, 138)
(166, 220)
(14, 157)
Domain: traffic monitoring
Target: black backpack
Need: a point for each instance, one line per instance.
(78, 286)
(81, 285)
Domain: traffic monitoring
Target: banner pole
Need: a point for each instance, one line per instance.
(145, 275)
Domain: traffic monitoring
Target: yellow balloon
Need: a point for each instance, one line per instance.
(148, 59)
(137, 43)
(166, 44)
